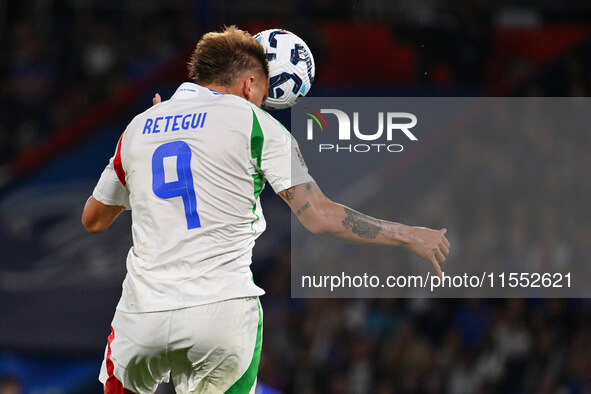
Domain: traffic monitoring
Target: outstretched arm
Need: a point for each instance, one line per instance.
(322, 216)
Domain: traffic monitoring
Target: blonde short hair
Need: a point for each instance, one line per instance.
(220, 57)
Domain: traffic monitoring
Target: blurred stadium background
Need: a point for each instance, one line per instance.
(73, 74)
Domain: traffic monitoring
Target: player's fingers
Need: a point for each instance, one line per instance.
(444, 249)
(435, 265)
(157, 99)
(440, 257)
(446, 242)
(443, 230)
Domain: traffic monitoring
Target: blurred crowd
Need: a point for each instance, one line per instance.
(426, 346)
(61, 58)
(519, 200)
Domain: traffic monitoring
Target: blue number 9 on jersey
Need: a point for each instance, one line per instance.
(183, 187)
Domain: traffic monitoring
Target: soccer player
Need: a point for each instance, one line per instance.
(191, 170)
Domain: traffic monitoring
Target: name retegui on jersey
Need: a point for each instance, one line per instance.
(174, 123)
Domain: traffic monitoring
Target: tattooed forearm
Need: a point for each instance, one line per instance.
(287, 194)
(362, 225)
(302, 209)
(393, 229)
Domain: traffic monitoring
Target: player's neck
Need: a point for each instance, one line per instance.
(219, 88)
(234, 89)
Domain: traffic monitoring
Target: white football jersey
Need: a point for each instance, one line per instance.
(191, 169)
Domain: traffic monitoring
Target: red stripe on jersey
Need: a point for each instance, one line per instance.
(117, 163)
(113, 385)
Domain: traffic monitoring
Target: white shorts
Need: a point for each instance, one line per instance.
(213, 348)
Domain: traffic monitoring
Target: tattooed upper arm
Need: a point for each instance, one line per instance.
(287, 195)
(303, 197)
(302, 209)
(307, 189)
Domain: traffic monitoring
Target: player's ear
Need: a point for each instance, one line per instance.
(247, 86)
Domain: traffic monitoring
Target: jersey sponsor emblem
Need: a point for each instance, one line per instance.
(302, 162)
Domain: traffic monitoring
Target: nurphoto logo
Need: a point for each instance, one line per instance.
(389, 123)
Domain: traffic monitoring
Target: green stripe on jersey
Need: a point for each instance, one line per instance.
(257, 139)
(246, 381)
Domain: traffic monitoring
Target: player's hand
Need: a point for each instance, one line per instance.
(430, 245)
(157, 99)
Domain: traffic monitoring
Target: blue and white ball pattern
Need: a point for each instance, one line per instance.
(291, 67)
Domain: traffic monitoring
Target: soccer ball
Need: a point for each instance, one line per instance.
(291, 67)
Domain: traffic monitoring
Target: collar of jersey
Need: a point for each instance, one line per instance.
(189, 90)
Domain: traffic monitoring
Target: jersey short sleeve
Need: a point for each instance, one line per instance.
(109, 190)
(277, 153)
